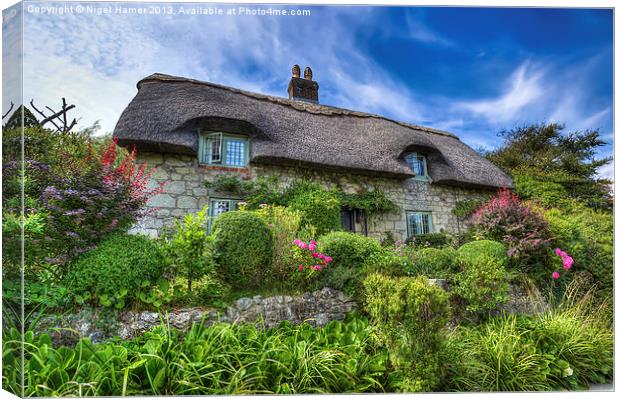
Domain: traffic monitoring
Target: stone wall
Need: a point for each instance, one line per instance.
(316, 308)
(186, 192)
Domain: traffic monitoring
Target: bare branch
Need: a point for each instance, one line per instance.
(9, 111)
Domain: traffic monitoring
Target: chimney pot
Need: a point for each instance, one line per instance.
(304, 89)
(296, 71)
(308, 73)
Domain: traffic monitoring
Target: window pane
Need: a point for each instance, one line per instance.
(235, 152)
(418, 223)
(219, 206)
(214, 148)
(416, 163)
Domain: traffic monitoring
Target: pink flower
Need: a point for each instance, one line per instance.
(314, 254)
(321, 256)
(328, 259)
(555, 275)
(303, 245)
(297, 242)
(301, 267)
(318, 267)
(312, 246)
(558, 252)
(567, 261)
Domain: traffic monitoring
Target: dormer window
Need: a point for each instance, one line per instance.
(417, 163)
(217, 148)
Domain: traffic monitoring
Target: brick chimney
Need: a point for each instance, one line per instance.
(303, 89)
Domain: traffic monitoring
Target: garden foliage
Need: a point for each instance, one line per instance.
(567, 347)
(409, 317)
(520, 226)
(113, 273)
(223, 359)
(243, 248)
(188, 250)
(349, 252)
(432, 262)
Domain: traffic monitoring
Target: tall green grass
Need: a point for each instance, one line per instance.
(207, 360)
(567, 347)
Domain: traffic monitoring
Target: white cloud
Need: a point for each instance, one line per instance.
(606, 171)
(522, 89)
(418, 30)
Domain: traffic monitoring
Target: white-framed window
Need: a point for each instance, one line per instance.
(419, 223)
(217, 206)
(417, 163)
(217, 148)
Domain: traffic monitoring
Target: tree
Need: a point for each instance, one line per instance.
(542, 157)
(15, 121)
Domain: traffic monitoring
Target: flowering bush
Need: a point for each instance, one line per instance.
(82, 211)
(308, 260)
(567, 262)
(519, 225)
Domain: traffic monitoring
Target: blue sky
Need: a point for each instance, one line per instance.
(472, 71)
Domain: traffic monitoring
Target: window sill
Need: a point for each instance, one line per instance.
(238, 169)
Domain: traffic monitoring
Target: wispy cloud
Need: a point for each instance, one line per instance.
(418, 30)
(522, 88)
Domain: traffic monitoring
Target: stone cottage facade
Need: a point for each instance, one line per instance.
(193, 132)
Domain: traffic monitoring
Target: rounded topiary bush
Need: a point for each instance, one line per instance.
(116, 269)
(349, 249)
(472, 251)
(349, 252)
(433, 262)
(243, 248)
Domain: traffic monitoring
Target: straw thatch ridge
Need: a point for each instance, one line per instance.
(168, 112)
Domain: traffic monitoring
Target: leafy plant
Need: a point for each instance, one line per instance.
(189, 249)
(433, 262)
(409, 317)
(285, 225)
(207, 360)
(520, 226)
(318, 207)
(434, 240)
(587, 235)
(113, 273)
(349, 252)
(482, 284)
(243, 248)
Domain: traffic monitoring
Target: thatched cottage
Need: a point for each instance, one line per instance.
(194, 131)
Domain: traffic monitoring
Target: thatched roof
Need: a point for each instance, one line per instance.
(168, 111)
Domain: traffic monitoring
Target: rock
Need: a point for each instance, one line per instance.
(244, 303)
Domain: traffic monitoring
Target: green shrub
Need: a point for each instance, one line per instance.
(349, 249)
(189, 249)
(548, 193)
(349, 252)
(433, 262)
(587, 235)
(243, 248)
(483, 284)
(284, 224)
(464, 209)
(473, 250)
(409, 317)
(115, 270)
(434, 240)
(318, 207)
(388, 263)
(518, 224)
